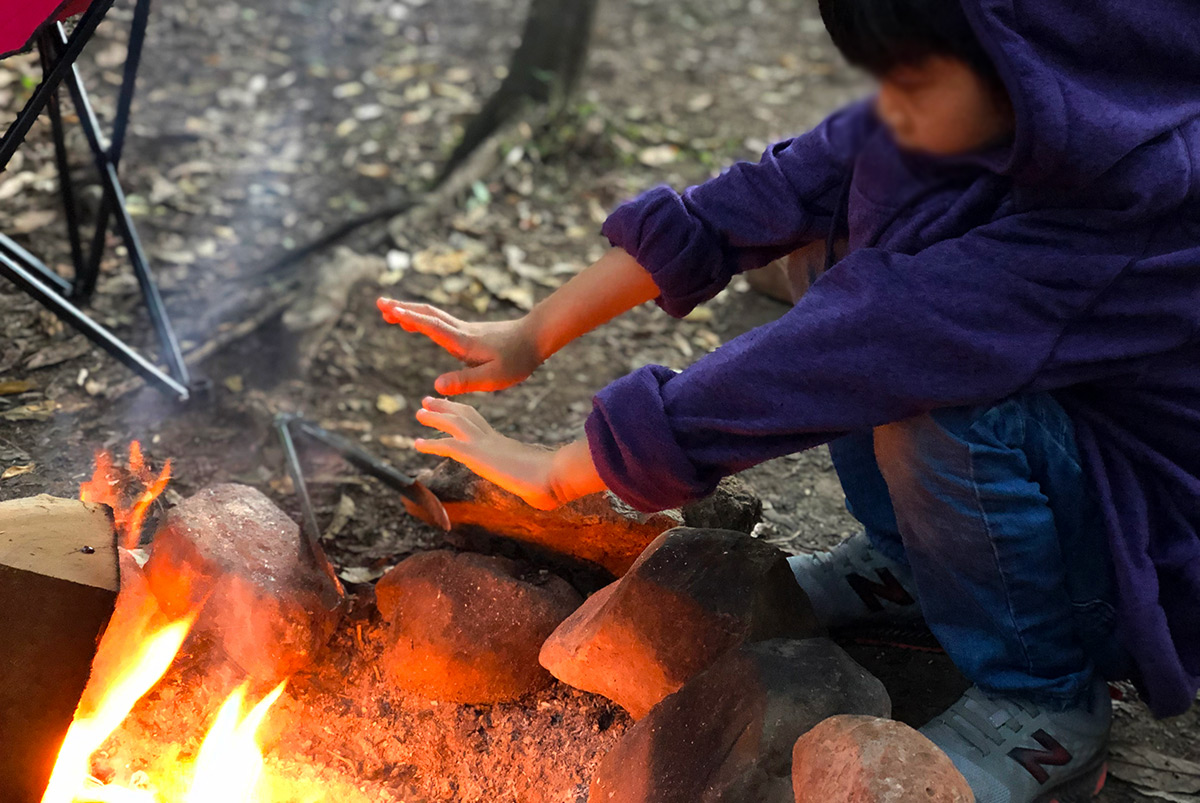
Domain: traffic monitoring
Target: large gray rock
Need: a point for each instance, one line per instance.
(727, 736)
(857, 759)
(467, 628)
(598, 529)
(231, 554)
(692, 595)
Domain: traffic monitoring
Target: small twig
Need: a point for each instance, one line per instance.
(336, 235)
(222, 340)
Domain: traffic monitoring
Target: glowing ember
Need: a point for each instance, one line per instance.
(105, 487)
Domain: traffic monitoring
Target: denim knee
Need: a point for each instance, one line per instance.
(934, 441)
(948, 467)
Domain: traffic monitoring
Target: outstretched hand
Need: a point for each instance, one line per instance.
(520, 468)
(498, 354)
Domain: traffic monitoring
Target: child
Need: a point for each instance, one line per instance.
(1005, 363)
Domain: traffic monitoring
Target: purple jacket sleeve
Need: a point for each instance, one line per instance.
(693, 243)
(879, 338)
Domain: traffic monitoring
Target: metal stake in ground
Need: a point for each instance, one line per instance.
(361, 459)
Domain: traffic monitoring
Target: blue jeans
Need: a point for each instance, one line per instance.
(992, 511)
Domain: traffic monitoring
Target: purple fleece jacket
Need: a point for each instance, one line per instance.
(1067, 260)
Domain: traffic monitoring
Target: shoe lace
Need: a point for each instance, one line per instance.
(850, 555)
(987, 723)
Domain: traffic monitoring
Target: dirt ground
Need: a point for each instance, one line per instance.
(261, 124)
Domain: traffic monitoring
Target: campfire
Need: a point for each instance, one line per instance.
(234, 667)
(135, 654)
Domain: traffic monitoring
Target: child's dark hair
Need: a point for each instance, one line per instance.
(881, 35)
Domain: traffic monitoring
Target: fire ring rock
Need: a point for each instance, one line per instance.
(857, 759)
(727, 736)
(692, 595)
(467, 628)
(230, 553)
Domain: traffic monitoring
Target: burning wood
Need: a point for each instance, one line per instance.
(58, 586)
(139, 645)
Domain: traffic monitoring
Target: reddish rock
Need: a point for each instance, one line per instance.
(691, 596)
(727, 735)
(598, 529)
(859, 759)
(230, 553)
(467, 628)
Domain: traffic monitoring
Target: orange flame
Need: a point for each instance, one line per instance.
(227, 769)
(229, 765)
(104, 487)
(70, 781)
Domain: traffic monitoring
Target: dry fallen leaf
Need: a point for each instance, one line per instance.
(357, 575)
(38, 411)
(389, 404)
(397, 441)
(374, 170)
(33, 220)
(342, 514)
(12, 187)
(57, 353)
(349, 90)
(12, 387)
(16, 471)
(439, 261)
(1152, 770)
(658, 155)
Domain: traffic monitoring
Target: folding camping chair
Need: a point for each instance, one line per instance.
(27, 23)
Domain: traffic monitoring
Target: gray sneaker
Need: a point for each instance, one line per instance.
(853, 584)
(1015, 752)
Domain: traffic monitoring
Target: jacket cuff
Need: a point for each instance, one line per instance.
(634, 449)
(657, 230)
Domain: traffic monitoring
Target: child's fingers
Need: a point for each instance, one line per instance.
(389, 308)
(465, 412)
(442, 447)
(435, 329)
(394, 310)
(481, 378)
(444, 405)
(447, 422)
(429, 311)
(456, 450)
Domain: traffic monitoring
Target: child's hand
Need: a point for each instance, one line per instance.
(500, 353)
(517, 467)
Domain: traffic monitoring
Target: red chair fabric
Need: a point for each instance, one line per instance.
(21, 19)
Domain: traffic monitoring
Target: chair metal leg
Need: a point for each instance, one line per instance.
(59, 53)
(71, 210)
(30, 281)
(133, 59)
(15, 252)
(124, 221)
